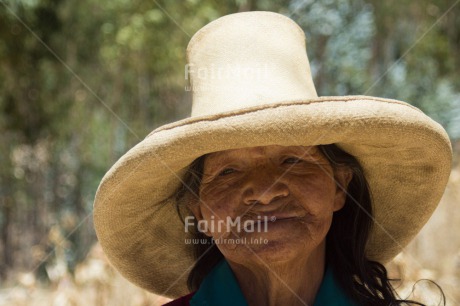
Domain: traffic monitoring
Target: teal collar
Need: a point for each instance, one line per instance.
(220, 288)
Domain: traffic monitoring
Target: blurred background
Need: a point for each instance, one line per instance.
(81, 82)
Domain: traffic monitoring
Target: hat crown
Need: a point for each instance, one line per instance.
(248, 59)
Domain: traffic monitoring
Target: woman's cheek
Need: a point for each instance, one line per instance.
(218, 211)
(217, 188)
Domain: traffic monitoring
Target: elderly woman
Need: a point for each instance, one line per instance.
(284, 197)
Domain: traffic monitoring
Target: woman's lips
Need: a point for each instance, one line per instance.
(274, 217)
(284, 218)
(262, 219)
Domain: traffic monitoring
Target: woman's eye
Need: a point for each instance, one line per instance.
(226, 171)
(292, 160)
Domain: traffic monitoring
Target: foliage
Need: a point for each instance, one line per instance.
(83, 81)
(392, 49)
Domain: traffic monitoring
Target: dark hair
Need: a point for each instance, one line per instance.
(365, 281)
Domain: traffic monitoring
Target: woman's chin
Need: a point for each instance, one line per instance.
(267, 247)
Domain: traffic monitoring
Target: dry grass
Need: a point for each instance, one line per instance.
(95, 283)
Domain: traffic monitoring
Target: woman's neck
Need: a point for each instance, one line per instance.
(289, 282)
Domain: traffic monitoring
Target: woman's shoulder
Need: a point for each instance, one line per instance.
(182, 301)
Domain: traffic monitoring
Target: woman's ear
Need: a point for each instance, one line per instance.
(342, 176)
(194, 206)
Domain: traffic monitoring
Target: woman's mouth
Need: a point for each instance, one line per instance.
(262, 222)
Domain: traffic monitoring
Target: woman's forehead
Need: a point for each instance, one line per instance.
(263, 151)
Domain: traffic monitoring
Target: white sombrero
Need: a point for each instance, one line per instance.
(252, 86)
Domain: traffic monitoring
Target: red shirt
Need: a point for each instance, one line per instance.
(182, 301)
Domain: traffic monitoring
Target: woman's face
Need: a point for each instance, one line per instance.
(283, 197)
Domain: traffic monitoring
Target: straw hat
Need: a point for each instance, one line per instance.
(252, 86)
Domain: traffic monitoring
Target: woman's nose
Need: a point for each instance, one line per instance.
(264, 188)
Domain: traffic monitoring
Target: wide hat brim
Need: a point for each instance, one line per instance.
(406, 158)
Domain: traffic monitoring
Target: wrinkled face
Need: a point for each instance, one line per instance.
(283, 197)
